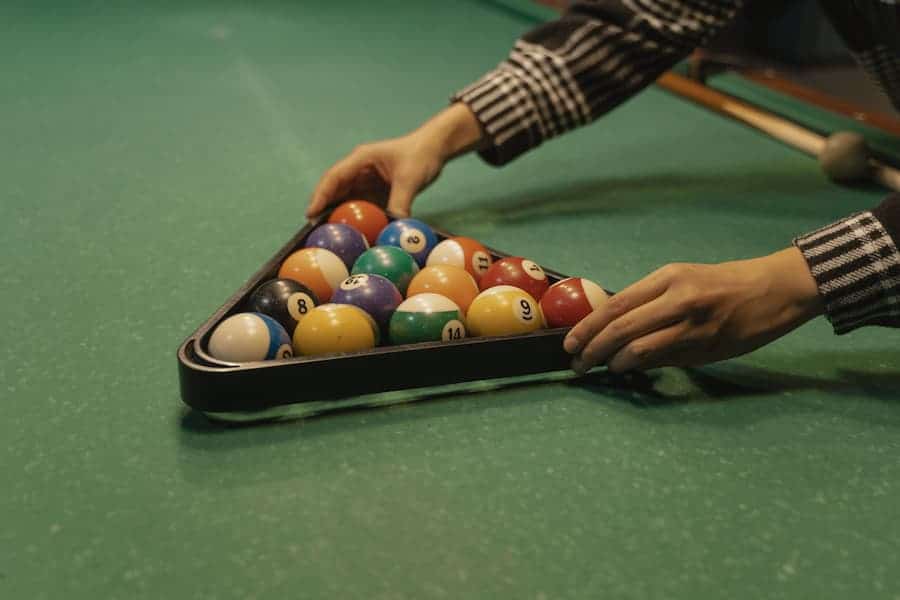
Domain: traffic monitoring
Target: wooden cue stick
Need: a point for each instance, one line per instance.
(781, 129)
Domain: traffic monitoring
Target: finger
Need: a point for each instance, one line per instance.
(401, 198)
(369, 185)
(641, 292)
(657, 314)
(335, 182)
(657, 349)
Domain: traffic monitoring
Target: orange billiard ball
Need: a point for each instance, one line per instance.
(462, 252)
(365, 217)
(453, 282)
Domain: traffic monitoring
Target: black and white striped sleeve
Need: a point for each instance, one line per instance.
(568, 72)
(856, 265)
(871, 29)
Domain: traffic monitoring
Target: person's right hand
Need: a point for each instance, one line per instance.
(391, 171)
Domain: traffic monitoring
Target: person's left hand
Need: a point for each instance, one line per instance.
(691, 314)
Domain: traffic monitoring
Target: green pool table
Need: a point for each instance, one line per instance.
(154, 154)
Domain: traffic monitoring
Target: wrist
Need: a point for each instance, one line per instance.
(793, 280)
(451, 133)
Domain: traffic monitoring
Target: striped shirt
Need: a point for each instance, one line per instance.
(566, 73)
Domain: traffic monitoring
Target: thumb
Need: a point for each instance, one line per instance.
(401, 198)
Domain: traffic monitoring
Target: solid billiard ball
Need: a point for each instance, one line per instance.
(373, 293)
(504, 310)
(412, 235)
(453, 282)
(462, 252)
(389, 262)
(365, 217)
(569, 301)
(845, 157)
(519, 272)
(284, 300)
(334, 328)
(247, 337)
(427, 318)
(318, 269)
(343, 240)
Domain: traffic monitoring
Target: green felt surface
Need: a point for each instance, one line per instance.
(155, 154)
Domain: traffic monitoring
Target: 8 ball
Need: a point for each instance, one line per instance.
(284, 300)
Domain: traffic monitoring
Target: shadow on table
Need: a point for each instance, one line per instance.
(722, 396)
(786, 195)
(732, 381)
(722, 382)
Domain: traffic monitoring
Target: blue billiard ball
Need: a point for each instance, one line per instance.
(411, 235)
(343, 240)
(373, 293)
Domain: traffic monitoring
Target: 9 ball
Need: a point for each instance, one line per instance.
(504, 310)
(284, 300)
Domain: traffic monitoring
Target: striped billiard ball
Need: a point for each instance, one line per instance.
(504, 310)
(427, 318)
(247, 337)
(320, 270)
(570, 300)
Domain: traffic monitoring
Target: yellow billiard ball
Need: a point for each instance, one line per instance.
(335, 328)
(504, 310)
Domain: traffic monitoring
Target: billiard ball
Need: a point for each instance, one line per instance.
(343, 240)
(453, 282)
(365, 217)
(504, 310)
(845, 157)
(247, 337)
(569, 301)
(462, 252)
(284, 300)
(373, 293)
(519, 272)
(427, 318)
(334, 328)
(318, 269)
(389, 262)
(412, 235)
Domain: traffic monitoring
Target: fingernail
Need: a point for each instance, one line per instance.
(578, 366)
(571, 344)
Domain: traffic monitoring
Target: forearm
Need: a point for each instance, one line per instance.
(568, 72)
(452, 132)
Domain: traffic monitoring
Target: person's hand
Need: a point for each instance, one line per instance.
(691, 314)
(391, 171)
(394, 171)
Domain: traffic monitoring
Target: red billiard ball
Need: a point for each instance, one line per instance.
(519, 272)
(570, 300)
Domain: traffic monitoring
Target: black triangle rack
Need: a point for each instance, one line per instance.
(240, 390)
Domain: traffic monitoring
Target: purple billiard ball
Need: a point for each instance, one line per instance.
(343, 240)
(373, 293)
